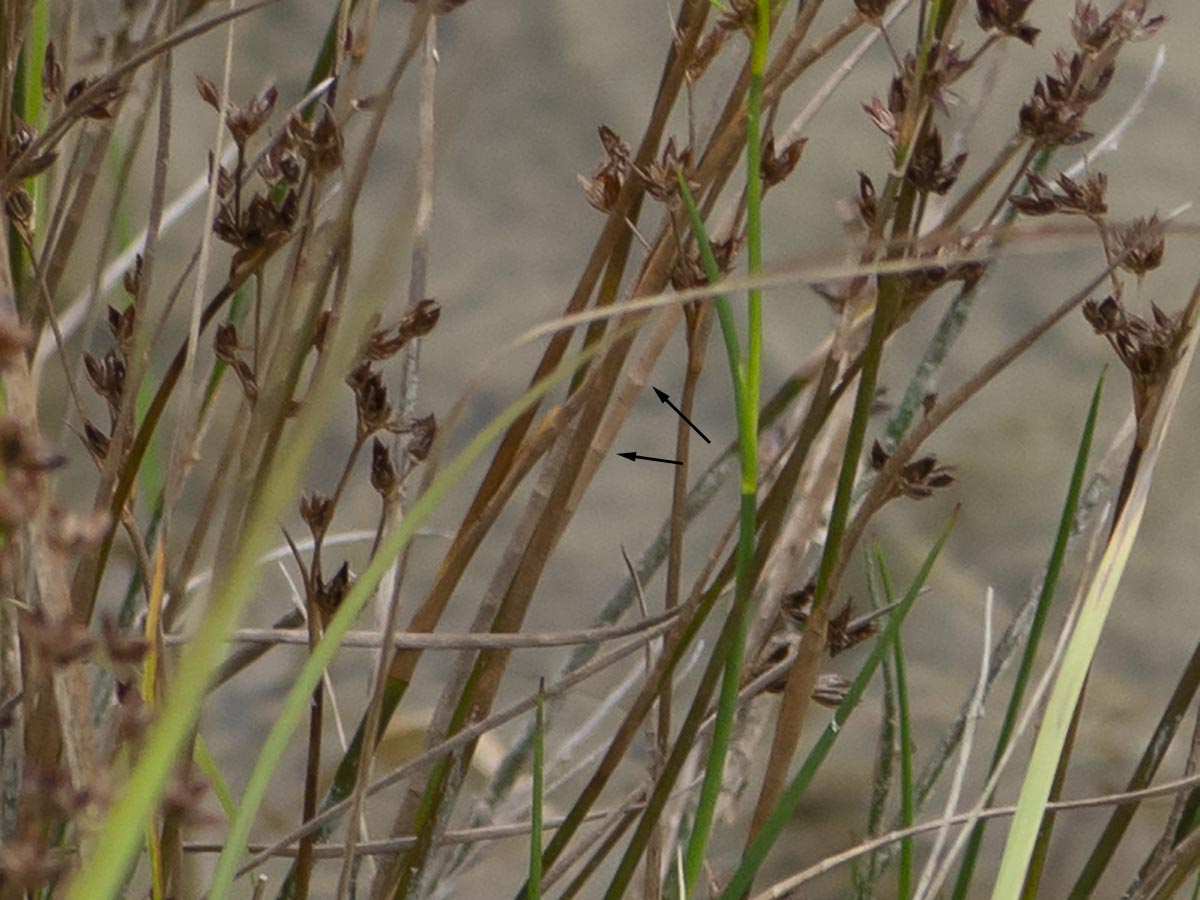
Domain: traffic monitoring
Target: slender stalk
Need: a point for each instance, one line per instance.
(746, 383)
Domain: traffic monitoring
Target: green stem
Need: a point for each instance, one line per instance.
(747, 381)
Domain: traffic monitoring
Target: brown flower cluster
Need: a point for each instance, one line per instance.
(1064, 195)
(918, 479)
(604, 185)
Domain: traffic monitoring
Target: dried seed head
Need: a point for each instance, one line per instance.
(884, 119)
(132, 279)
(1066, 195)
(845, 633)
(243, 123)
(1007, 17)
(926, 170)
(1140, 245)
(52, 74)
(607, 179)
(1052, 121)
(208, 92)
(372, 406)
(421, 433)
(330, 594)
(99, 108)
(662, 178)
(384, 477)
(225, 343)
(96, 441)
(776, 167)
(106, 375)
(317, 512)
(918, 479)
(872, 9)
(867, 203)
(1093, 31)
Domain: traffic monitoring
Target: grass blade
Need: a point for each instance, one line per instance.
(1035, 790)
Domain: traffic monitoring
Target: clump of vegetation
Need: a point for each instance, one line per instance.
(200, 410)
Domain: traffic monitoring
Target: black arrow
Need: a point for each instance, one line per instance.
(633, 455)
(667, 400)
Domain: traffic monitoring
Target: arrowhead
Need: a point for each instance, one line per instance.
(632, 454)
(662, 396)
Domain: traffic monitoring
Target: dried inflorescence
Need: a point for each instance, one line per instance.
(777, 165)
(384, 343)
(918, 479)
(662, 177)
(927, 170)
(689, 271)
(243, 122)
(604, 185)
(1139, 246)
(1148, 348)
(371, 403)
(328, 595)
(1007, 17)
(1093, 31)
(1064, 195)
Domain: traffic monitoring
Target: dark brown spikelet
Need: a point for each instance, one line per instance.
(662, 178)
(1140, 245)
(317, 512)
(99, 108)
(927, 171)
(52, 74)
(872, 9)
(604, 185)
(777, 166)
(372, 406)
(330, 594)
(1053, 120)
(96, 440)
(917, 480)
(1065, 195)
(107, 376)
(384, 477)
(421, 433)
(1007, 17)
